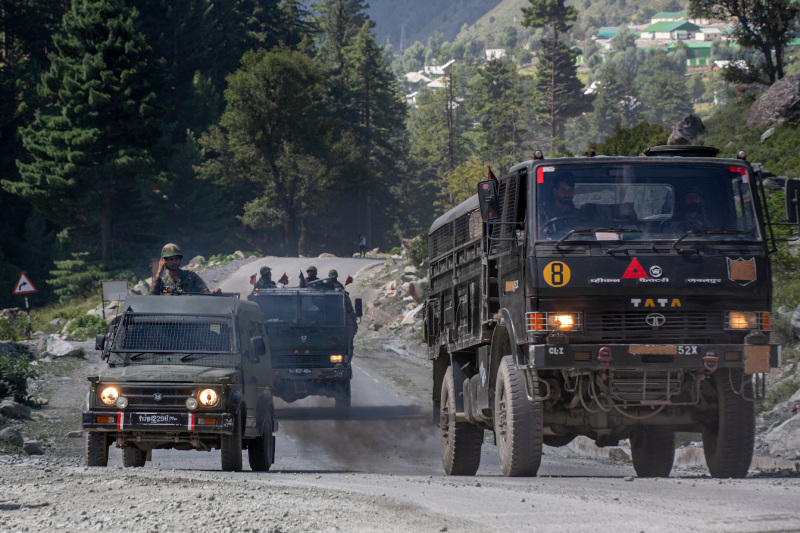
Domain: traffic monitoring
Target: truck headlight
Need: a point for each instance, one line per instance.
(109, 395)
(554, 321)
(749, 320)
(336, 359)
(208, 397)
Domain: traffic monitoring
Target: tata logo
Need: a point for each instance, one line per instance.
(656, 302)
(655, 320)
(303, 338)
(158, 396)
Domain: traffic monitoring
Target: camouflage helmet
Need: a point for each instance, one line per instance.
(332, 273)
(171, 250)
(313, 269)
(266, 271)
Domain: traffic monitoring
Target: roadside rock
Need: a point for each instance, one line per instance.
(12, 436)
(12, 313)
(32, 447)
(778, 105)
(784, 440)
(11, 409)
(326, 255)
(58, 347)
(687, 131)
(141, 288)
(57, 322)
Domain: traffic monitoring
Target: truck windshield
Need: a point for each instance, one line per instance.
(320, 309)
(169, 334)
(645, 201)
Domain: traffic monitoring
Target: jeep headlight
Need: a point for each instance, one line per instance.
(208, 397)
(109, 395)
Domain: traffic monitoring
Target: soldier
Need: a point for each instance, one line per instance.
(265, 281)
(332, 283)
(312, 276)
(175, 280)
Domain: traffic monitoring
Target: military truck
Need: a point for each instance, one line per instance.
(311, 340)
(620, 313)
(185, 373)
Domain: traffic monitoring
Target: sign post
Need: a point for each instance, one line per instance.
(24, 286)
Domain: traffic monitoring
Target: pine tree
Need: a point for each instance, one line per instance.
(89, 159)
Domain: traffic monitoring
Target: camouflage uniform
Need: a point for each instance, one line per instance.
(265, 281)
(187, 282)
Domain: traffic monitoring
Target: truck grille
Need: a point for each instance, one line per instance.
(146, 396)
(678, 326)
(301, 361)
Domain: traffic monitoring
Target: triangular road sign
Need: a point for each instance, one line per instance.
(24, 285)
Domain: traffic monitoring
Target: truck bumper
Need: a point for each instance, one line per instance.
(121, 421)
(753, 359)
(313, 374)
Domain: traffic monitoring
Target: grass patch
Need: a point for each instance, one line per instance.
(41, 317)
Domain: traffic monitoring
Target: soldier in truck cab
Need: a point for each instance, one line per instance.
(691, 214)
(560, 205)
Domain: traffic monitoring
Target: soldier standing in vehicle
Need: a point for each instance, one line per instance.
(333, 282)
(312, 276)
(265, 281)
(170, 279)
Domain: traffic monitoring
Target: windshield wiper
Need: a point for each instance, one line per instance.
(595, 230)
(710, 232)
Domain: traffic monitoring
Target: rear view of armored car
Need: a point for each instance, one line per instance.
(184, 373)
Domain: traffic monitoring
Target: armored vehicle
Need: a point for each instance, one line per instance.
(187, 373)
(610, 297)
(311, 340)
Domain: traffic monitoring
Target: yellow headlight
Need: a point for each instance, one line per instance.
(336, 359)
(208, 397)
(742, 320)
(109, 395)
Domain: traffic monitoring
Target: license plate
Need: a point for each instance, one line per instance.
(299, 370)
(156, 419)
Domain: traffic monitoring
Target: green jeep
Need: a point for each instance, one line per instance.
(185, 373)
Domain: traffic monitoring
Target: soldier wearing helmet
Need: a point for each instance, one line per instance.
(312, 276)
(333, 282)
(265, 281)
(170, 279)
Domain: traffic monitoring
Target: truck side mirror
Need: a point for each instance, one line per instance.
(99, 342)
(792, 200)
(359, 310)
(487, 198)
(258, 348)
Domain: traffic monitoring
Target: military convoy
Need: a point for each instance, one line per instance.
(586, 296)
(186, 373)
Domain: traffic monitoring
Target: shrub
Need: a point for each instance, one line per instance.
(395, 251)
(14, 375)
(10, 330)
(87, 326)
(419, 248)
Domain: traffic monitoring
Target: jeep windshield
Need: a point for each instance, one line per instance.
(153, 339)
(645, 201)
(318, 309)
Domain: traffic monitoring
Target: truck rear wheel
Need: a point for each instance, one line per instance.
(342, 400)
(231, 448)
(517, 423)
(133, 457)
(261, 451)
(729, 438)
(653, 450)
(96, 452)
(461, 441)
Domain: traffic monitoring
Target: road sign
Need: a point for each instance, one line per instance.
(24, 285)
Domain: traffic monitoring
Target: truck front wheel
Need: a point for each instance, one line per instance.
(461, 441)
(261, 451)
(231, 448)
(517, 423)
(96, 449)
(729, 436)
(342, 400)
(653, 450)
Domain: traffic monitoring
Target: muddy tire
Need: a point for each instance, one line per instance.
(231, 448)
(517, 423)
(133, 458)
(729, 437)
(342, 400)
(460, 441)
(261, 451)
(653, 450)
(96, 451)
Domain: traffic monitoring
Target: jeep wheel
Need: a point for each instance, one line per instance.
(96, 449)
(133, 458)
(231, 448)
(261, 450)
(729, 437)
(461, 441)
(342, 399)
(653, 450)
(517, 423)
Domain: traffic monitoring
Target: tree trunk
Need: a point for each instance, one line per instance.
(302, 243)
(290, 236)
(105, 219)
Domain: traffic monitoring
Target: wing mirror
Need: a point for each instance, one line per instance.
(487, 198)
(99, 342)
(792, 200)
(258, 348)
(359, 309)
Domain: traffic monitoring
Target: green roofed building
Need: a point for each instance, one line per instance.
(607, 32)
(697, 54)
(667, 16)
(670, 30)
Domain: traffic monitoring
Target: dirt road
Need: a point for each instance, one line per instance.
(378, 471)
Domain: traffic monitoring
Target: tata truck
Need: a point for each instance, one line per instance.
(583, 296)
(186, 372)
(311, 340)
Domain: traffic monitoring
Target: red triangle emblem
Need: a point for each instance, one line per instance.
(634, 271)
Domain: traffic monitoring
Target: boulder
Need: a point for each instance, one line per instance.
(778, 105)
(326, 255)
(57, 322)
(795, 397)
(784, 440)
(12, 313)
(795, 321)
(12, 436)
(32, 447)
(141, 288)
(11, 409)
(238, 254)
(748, 88)
(58, 347)
(687, 131)
(767, 134)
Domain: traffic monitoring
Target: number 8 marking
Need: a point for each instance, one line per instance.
(556, 274)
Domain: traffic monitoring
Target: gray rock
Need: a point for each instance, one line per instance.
(12, 409)
(60, 348)
(197, 259)
(778, 105)
(238, 254)
(784, 310)
(412, 270)
(795, 397)
(326, 255)
(767, 134)
(12, 313)
(619, 454)
(57, 322)
(75, 434)
(687, 131)
(784, 440)
(141, 288)
(795, 321)
(32, 447)
(12, 436)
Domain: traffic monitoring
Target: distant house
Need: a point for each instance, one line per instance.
(708, 34)
(434, 70)
(697, 54)
(670, 31)
(495, 53)
(411, 99)
(607, 32)
(667, 17)
(417, 77)
(438, 83)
